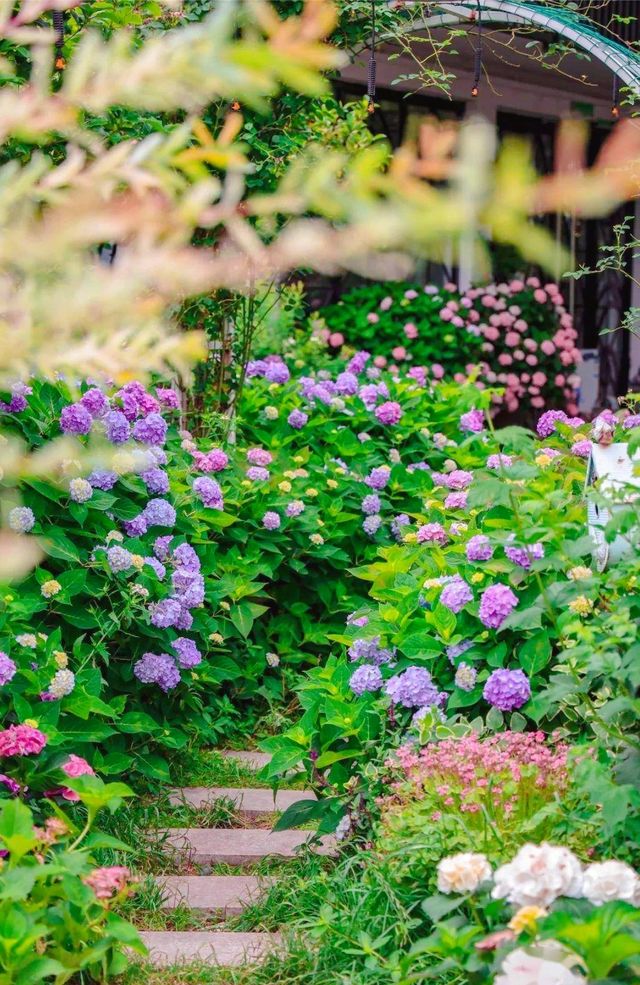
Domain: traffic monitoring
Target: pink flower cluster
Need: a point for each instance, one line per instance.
(22, 740)
(466, 773)
(108, 880)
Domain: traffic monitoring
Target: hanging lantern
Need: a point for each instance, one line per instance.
(615, 108)
(57, 17)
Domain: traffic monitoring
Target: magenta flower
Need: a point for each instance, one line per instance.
(472, 421)
(456, 595)
(431, 533)
(496, 603)
(507, 689)
(389, 413)
(22, 740)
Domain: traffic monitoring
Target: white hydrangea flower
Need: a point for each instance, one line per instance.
(520, 968)
(538, 875)
(62, 683)
(114, 535)
(27, 639)
(80, 490)
(271, 413)
(343, 828)
(272, 659)
(463, 873)
(611, 880)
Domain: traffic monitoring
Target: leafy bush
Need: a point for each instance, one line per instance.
(519, 333)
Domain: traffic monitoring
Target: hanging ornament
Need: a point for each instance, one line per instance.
(58, 26)
(615, 108)
(477, 67)
(371, 75)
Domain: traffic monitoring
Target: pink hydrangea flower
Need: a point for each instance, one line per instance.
(437, 371)
(22, 740)
(431, 533)
(108, 880)
(336, 339)
(410, 330)
(77, 766)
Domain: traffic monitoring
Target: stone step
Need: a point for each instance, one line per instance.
(248, 801)
(228, 895)
(171, 947)
(251, 758)
(237, 846)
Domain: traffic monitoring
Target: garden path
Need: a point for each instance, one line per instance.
(224, 895)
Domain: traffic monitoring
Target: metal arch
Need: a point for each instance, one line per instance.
(620, 60)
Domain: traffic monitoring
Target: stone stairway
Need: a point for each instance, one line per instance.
(224, 895)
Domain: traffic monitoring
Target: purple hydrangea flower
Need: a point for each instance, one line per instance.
(478, 548)
(389, 412)
(633, 421)
(159, 513)
(465, 677)
(378, 478)
(523, 556)
(398, 523)
(507, 689)
(157, 668)
(496, 603)
(117, 427)
(369, 394)
(186, 557)
(188, 653)
(371, 504)
(95, 402)
(257, 474)
(456, 650)
(347, 384)
(371, 524)
(365, 678)
(583, 448)
(151, 430)
(184, 621)
(103, 479)
(135, 527)
(75, 419)
(7, 668)
(297, 419)
(119, 558)
(433, 533)
(157, 566)
(456, 595)
(161, 547)
(295, 507)
(213, 461)
(11, 785)
(167, 397)
(276, 372)
(209, 492)
(259, 456)
(456, 500)
(21, 519)
(547, 422)
(165, 613)
(472, 421)
(271, 520)
(369, 650)
(550, 452)
(188, 587)
(156, 481)
(157, 455)
(255, 367)
(413, 688)
(358, 362)
(353, 619)
(498, 461)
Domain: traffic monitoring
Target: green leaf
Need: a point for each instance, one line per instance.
(242, 618)
(437, 907)
(16, 829)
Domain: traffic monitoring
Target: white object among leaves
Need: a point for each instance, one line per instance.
(616, 474)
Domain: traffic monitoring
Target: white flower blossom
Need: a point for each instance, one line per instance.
(611, 880)
(520, 968)
(538, 875)
(463, 873)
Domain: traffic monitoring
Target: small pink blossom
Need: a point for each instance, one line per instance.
(410, 331)
(108, 880)
(512, 338)
(505, 359)
(386, 303)
(336, 339)
(445, 314)
(538, 379)
(380, 361)
(22, 740)
(547, 347)
(399, 352)
(372, 318)
(437, 371)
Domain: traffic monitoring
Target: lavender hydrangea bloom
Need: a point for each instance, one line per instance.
(378, 478)
(186, 557)
(7, 668)
(547, 422)
(188, 587)
(398, 523)
(276, 372)
(371, 504)
(498, 461)
(168, 397)
(496, 603)
(119, 558)
(157, 566)
(136, 527)
(583, 448)
(161, 547)
(523, 556)
(365, 678)
(151, 430)
(431, 533)
(478, 548)
(117, 427)
(507, 689)
(456, 500)
(156, 481)
(358, 362)
(75, 419)
(255, 367)
(297, 419)
(184, 621)
(157, 668)
(80, 491)
(369, 650)
(18, 401)
(188, 653)
(456, 595)
(95, 402)
(257, 474)
(103, 479)
(209, 492)
(456, 650)
(371, 524)
(413, 688)
(389, 412)
(159, 513)
(465, 677)
(271, 520)
(295, 507)
(21, 519)
(157, 455)
(472, 421)
(347, 384)
(633, 421)
(165, 613)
